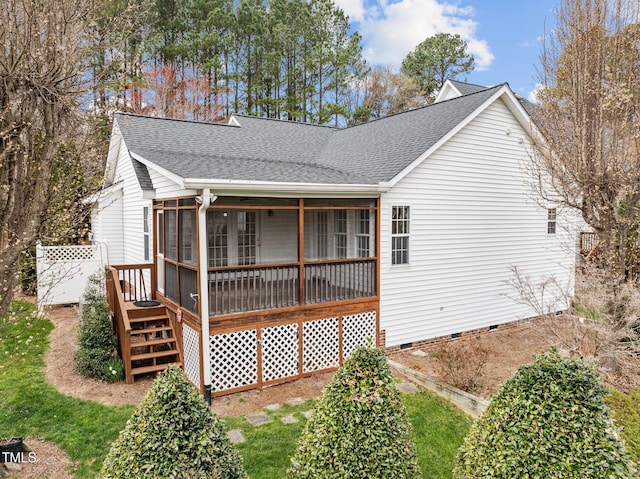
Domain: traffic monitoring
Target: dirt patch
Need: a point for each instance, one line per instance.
(44, 460)
(507, 349)
(256, 399)
(61, 373)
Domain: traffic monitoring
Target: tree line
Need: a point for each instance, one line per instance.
(297, 60)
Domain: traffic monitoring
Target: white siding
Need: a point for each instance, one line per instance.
(106, 224)
(132, 210)
(279, 239)
(165, 188)
(472, 219)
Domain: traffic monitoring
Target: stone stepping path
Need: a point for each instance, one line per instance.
(258, 419)
(407, 388)
(290, 419)
(235, 436)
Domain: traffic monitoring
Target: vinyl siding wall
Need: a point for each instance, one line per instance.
(106, 224)
(472, 219)
(132, 210)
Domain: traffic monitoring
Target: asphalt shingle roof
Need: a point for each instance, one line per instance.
(289, 152)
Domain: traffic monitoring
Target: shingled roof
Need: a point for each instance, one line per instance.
(289, 152)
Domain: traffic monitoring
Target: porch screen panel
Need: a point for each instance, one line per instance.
(187, 237)
(189, 289)
(171, 245)
(171, 281)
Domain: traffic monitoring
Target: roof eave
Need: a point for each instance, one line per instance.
(281, 189)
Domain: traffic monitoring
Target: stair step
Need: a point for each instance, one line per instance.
(150, 369)
(155, 354)
(141, 319)
(151, 330)
(152, 342)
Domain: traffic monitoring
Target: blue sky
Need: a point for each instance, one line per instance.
(503, 35)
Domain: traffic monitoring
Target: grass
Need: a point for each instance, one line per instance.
(85, 429)
(33, 408)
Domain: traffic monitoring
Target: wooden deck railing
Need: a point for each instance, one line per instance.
(126, 283)
(239, 289)
(252, 288)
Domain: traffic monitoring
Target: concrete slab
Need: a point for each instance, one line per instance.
(273, 407)
(420, 353)
(294, 401)
(307, 414)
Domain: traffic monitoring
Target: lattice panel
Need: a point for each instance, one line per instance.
(320, 348)
(234, 359)
(356, 328)
(191, 347)
(280, 352)
(68, 253)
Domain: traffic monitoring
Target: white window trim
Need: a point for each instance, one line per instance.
(392, 235)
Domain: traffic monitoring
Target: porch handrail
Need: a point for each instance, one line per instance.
(121, 317)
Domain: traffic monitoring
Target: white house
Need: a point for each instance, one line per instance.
(275, 248)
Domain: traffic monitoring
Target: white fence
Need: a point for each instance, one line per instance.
(63, 272)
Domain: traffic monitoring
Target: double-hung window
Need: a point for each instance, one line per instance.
(400, 216)
(551, 221)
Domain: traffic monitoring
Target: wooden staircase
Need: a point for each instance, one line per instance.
(153, 342)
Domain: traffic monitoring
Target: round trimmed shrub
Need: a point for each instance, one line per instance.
(172, 434)
(359, 428)
(548, 421)
(96, 341)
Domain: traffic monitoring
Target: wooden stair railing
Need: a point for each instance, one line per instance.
(147, 341)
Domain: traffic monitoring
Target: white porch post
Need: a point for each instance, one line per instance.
(204, 289)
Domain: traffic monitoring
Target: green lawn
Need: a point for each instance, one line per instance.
(85, 429)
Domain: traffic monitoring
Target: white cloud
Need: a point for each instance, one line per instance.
(390, 30)
(533, 94)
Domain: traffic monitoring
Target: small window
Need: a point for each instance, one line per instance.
(551, 221)
(340, 233)
(145, 229)
(400, 235)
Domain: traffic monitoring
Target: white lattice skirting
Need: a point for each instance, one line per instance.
(234, 359)
(234, 356)
(191, 342)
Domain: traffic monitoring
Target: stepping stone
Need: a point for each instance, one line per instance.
(258, 419)
(307, 414)
(407, 388)
(273, 407)
(289, 419)
(235, 436)
(294, 401)
(419, 353)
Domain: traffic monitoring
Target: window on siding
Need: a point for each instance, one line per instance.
(363, 227)
(400, 235)
(145, 229)
(551, 221)
(340, 233)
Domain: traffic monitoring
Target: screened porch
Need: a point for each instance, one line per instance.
(267, 254)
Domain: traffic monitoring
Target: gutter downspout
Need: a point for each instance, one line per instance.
(207, 199)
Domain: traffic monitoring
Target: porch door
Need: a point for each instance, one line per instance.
(160, 252)
(233, 238)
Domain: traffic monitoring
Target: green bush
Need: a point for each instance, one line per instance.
(113, 370)
(359, 428)
(626, 414)
(548, 421)
(172, 434)
(96, 342)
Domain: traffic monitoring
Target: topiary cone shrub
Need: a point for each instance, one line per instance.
(96, 342)
(359, 428)
(172, 434)
(548, 421)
